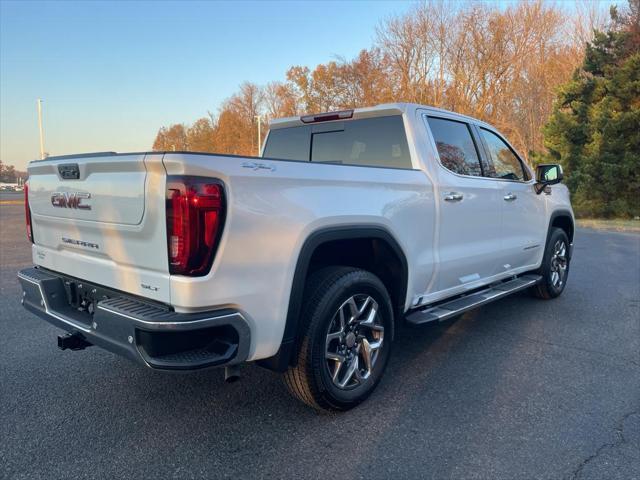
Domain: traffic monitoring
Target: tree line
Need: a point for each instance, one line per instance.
(9, 174)
(507, 66)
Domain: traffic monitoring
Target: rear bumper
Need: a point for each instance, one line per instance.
(151, 334)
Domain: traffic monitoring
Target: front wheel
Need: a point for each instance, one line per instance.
(346, 340)
(555, 266)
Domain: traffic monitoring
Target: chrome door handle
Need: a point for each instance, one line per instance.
(453, 197)
(510, 197)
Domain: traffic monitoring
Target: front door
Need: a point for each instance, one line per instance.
(523, 230)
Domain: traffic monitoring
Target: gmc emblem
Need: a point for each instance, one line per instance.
(71, 200)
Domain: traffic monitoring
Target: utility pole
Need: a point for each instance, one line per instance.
(40, 128)
(259, 117)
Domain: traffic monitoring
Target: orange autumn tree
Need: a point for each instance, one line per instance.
(502, 65)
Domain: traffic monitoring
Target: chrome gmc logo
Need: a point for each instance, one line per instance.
(77, 200)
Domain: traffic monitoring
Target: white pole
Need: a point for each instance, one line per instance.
(259, 117)
(40, 128)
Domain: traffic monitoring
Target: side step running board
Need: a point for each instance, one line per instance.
(452, 308)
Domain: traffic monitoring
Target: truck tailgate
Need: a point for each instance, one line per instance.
(102, 219)
(106, 190)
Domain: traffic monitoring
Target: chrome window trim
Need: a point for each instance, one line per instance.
(454, 118)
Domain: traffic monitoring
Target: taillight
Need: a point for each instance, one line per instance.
(195, 215)
(27, 212)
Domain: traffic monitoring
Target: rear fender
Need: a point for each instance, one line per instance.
(287, 353)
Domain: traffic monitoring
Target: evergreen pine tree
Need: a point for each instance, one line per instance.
(594, 131)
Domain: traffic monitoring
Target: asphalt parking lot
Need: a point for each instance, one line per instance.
(522, 388)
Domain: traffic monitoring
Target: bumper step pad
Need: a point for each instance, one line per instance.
(153, 334)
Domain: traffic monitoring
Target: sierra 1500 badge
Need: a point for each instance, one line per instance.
(79, 200)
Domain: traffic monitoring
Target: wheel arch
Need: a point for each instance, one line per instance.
(316, 249)
(562, 219)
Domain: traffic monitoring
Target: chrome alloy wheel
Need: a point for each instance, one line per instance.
(354, 339)
(559, 264)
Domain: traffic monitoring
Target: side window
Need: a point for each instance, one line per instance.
(503, 163)
(455, 145)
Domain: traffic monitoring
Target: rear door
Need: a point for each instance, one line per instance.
(523, 225)
(469, 217)
(102, 219)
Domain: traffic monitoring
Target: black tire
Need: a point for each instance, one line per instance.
(326, 293)
(551, 286)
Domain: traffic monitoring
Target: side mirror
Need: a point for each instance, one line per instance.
(549, 174)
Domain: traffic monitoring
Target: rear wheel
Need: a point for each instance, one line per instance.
(346, 341)
(555, 266)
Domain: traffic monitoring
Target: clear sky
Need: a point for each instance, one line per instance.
(112, 73)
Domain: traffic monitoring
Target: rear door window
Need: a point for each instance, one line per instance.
(456, 147)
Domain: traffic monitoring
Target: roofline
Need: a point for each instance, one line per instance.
(451, 114)
(364, 112)
(381, 110)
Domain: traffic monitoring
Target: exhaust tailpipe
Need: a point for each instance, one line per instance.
(231, 373)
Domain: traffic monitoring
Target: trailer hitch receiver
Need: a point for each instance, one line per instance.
(72, 341)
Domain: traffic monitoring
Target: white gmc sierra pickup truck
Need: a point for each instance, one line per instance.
(302, 260)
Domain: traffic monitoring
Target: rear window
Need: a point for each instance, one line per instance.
(377, 142)
(288, 143)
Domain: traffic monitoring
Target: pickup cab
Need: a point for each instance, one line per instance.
(303, 260)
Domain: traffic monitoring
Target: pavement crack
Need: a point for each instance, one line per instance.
(620, 439)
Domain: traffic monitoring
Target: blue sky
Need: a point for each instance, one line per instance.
(112, 73)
